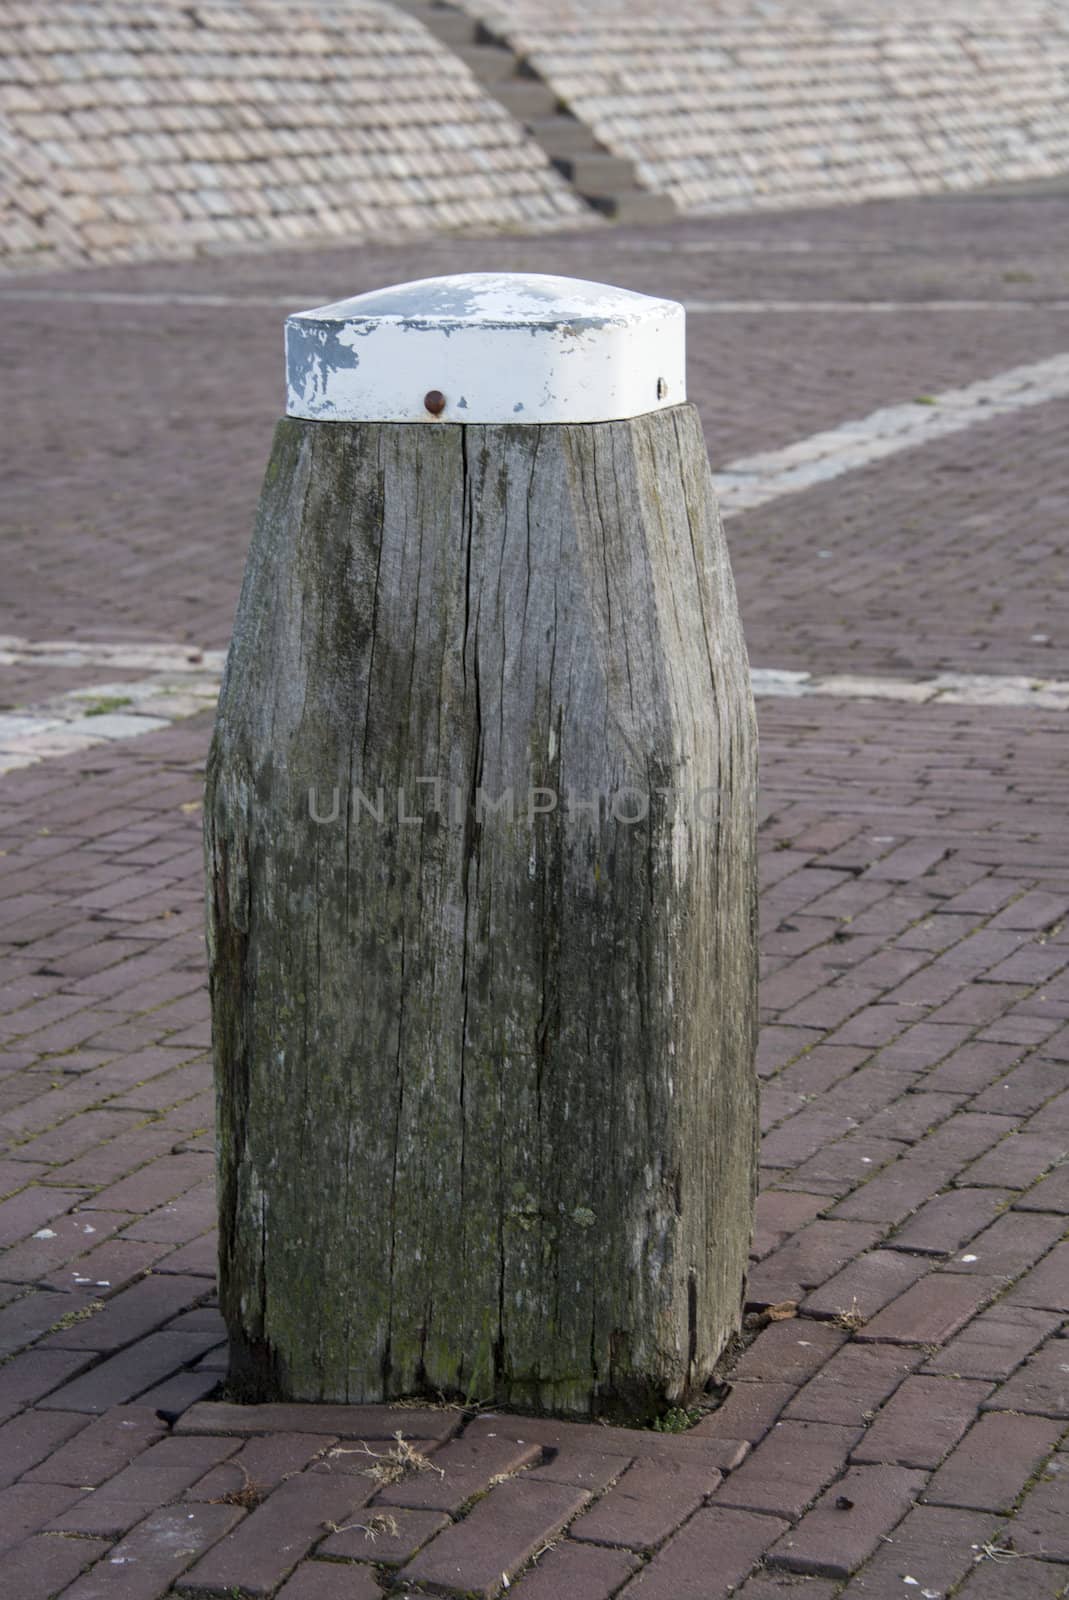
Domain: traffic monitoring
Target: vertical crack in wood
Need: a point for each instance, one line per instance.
(399, 1092)
(352, 532)
(692, 1324)
(469, 648)
(499, 1046)
(378, 533)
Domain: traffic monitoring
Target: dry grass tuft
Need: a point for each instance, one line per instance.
(851, 1319)
(248, 1496)
(420, 1403)
(391, 1465)
(382, 1522)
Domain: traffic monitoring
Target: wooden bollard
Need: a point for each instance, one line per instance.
(480, 836)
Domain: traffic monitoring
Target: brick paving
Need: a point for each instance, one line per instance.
(910, 1422)
(142, 535)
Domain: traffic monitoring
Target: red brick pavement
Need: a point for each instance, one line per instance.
(916, 1077)
(905, 569)
(131, 477)
(905, 1433)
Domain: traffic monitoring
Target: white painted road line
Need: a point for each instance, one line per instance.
(161, 297)
(695, 308)
(763, 247)
(180, 680)
(102, 713)
(753, 481)
(838, 308)
(66, 724)
(946, 689)
(135, 654)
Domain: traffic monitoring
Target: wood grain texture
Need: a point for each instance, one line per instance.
(487, 1103)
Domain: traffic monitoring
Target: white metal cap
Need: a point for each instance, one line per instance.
(487, 347)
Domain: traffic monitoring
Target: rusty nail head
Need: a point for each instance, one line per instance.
(434, 400)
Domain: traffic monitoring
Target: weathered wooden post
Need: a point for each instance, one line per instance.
(480, 834)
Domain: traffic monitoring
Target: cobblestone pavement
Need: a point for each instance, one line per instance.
(163, 129)
(783, 105)
(135, 130)
(904, 1433)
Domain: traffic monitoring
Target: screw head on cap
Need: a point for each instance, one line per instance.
(434, 400)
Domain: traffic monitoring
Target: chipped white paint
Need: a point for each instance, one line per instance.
(499, 347)
(753, 481)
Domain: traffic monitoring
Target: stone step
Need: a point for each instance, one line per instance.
(562, 135)
(526, 98)
(634, 205)
(451, 27)
(605, 181)
(597, 173)
(488, 62)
